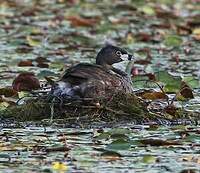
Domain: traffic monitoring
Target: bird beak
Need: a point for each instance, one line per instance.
(126, 57)
(130, 57)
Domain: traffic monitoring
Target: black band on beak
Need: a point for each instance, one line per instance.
(130, 57)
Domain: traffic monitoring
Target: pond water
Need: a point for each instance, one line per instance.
(164, 35)
(133, 148)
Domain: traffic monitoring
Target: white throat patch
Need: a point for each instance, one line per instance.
(121, 65)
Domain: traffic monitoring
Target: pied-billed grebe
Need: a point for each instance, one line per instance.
(86, 80)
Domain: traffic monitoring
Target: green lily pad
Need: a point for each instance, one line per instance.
(118, 131)
(149, 159)
(191, 81)
(148, 10)
(119, 144)
(173, 40)
(171, 83)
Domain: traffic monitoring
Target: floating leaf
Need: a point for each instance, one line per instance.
(173, 40)
(59, 166)
(149, 159)
(148, 10)
(140, 81)
(119, 144)
(33, 42)
(77, 21)
(104, 135)
(111, 155)
(3, 105)
(154, 95)
(44, 73)
(191, 81)
(189, 171)
(158, 142)
(25, 63)
(186, 91)
(196, 31)
(121, 131)
(171, 83)
(26, 81)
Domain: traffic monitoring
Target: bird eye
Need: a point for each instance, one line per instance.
(118, 53)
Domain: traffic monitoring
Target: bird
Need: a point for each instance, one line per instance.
(86, 80)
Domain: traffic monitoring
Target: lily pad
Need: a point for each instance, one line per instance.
(173, 40)
(119, 144)
(171, 83)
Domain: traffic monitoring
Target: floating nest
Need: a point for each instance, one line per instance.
(120, 108)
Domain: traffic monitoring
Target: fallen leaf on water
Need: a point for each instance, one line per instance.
(165, 13)
(24, 63)
(43, 65)
(25, 81)
(142, 36)
(33, 42)
(196, 34)
(77, 21)
(59, 166)
(186, 91)
(189, 171)
(111, 155)
(191, 158)
(183, 30)
(154, 95)
(143, 62)
(196, 31)
(3, 105)
(158, 142)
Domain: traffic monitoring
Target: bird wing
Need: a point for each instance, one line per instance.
(84, 71)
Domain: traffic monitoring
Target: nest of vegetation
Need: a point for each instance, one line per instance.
(120, 108)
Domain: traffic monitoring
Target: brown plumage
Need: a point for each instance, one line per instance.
(95, 80)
